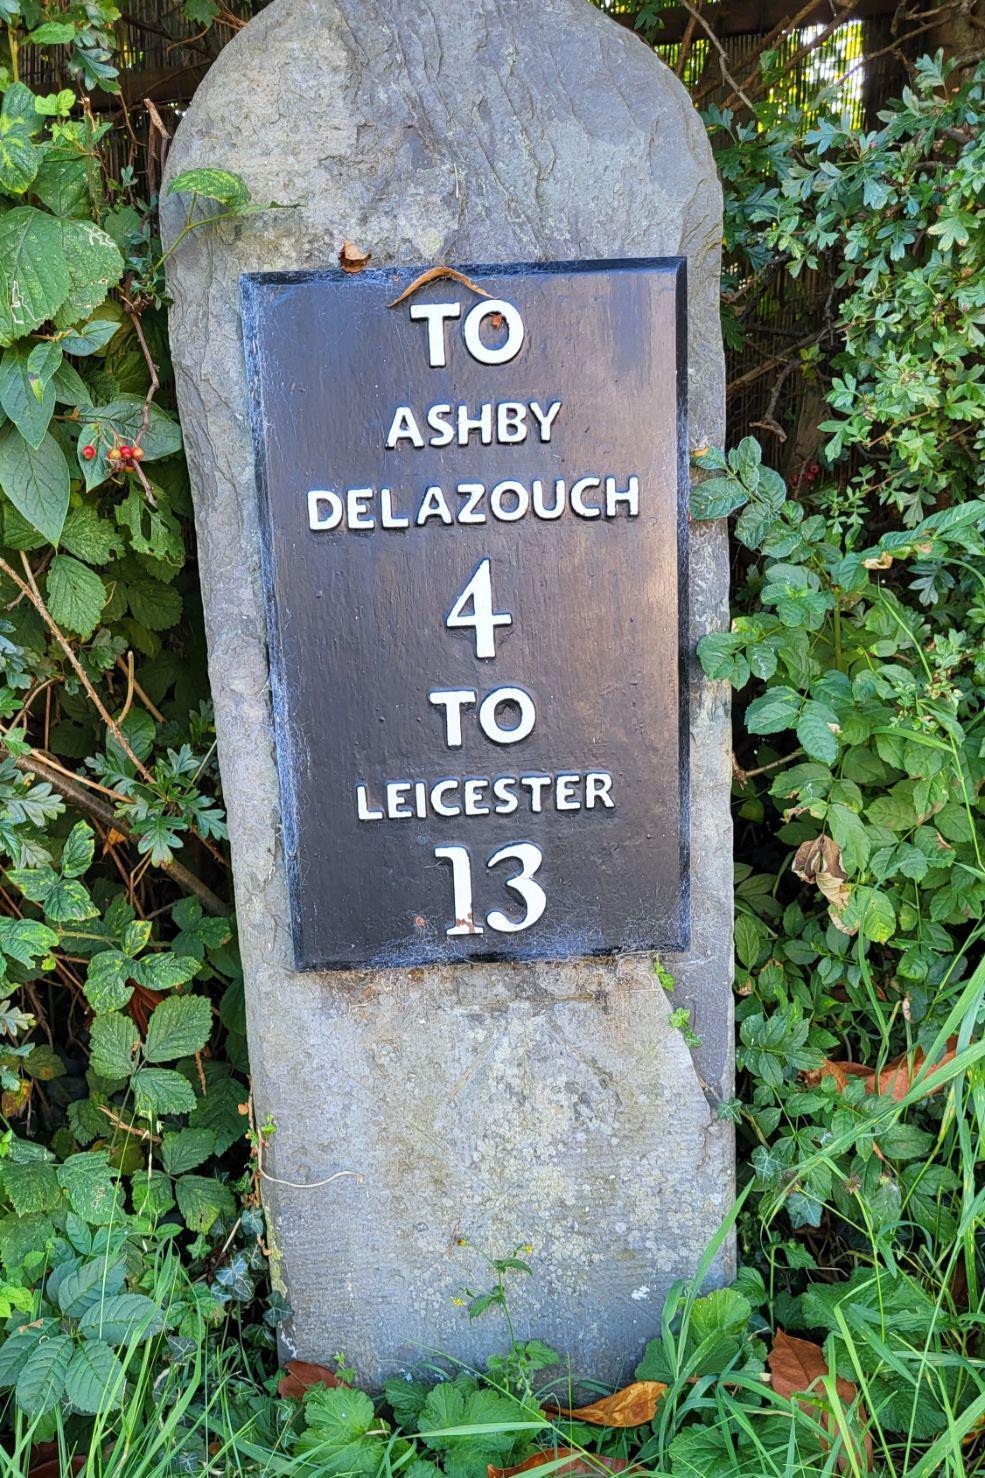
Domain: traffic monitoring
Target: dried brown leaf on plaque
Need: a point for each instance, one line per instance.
(352, 258)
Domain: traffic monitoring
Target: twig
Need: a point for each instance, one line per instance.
(72, 790)
(155, 383)
(127, 667)
(130, 1128)
(722, 53)
(743, 775)
(31, 591)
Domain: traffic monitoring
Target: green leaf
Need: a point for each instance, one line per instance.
(52, 33)
(777, 709)
(113, 1044)
(179, 1027)
(202, 1200)
(335, 1438)
(164, 971)
(91, 1186)
(31, 1188)
(14, 1351)
(90, 537)
(871, 913)
(26, 940)
(122, 420)
(94, 266)
(154, 604)
(79, 848)
(18, 398)
(125, 1318)
(717, 497)
(223, 185)
(107, 986)
(816, 730)
(35, 479)
(186, 1148)
(86, 1285)
(160, 1090)
(94, 1380)
(76, 595)
(93, 335)
(717, 1327)
(219, 1110)
(34, 280)
(42, 1377)
(19, 157)
(62, 181)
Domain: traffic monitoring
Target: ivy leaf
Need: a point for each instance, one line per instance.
(29, 412)
(76, 595)
(94, 266)
(35, 479)
(42, 1377)
(94, 1379)
(222, 185)
(161, 1090)
(34, 279)
(179, 1027)
(202, 1200)
(113, 1045)
(122, 1319)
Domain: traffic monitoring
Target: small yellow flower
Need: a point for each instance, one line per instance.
(459, 1303)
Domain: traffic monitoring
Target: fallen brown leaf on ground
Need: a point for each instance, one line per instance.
(301, 1376)
(797, 1367)
(45, 1462)
(627, 1408)
(579, 1464)
(896, 1077)
(352, 258)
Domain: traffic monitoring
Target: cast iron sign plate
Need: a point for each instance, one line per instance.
(474, 550)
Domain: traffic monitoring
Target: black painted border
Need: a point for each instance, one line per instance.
(402, 277)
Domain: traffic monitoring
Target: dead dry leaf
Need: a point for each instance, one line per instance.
(797, 1368)
(819, 862)
(435, 274)
(630, 1407)
(302, 1375)
(879, 562)
(578, 1464)
(45, 1462)
(896, 1078)
(352, 258)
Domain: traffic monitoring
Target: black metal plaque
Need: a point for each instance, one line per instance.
(474, 546)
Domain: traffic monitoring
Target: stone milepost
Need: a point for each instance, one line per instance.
(474, 559)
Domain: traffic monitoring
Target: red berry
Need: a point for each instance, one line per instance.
(88, 452)
(126, 451)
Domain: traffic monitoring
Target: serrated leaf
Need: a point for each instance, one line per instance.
(817, 729)
(94, 266)
(165, 971)
(90, 537)
(154, 604)
(18, 398)
(86, 1285)
(34, 279)
(14, 1351)
(94, 1380)
(35, 479)
(61, 182)
(113, 1044)
(185, 1149)
(179, 1027)
(31, 1188)
(222, 185)
(202, 1200)
(125, 1318)
(19, 156)
(42, 1377)
(26, 940)
(91, 1186)
(78, 851)
(161, 1090)
(76, 595)
(219, 1110)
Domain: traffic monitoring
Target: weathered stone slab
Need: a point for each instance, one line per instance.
(549, 1103)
